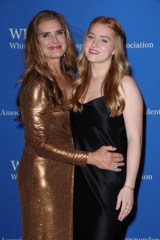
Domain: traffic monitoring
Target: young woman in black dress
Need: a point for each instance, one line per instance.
(107, 107)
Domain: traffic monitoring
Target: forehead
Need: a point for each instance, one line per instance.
(101, 29)
(53, 24)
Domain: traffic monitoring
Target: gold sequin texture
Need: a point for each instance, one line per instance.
(46, 168)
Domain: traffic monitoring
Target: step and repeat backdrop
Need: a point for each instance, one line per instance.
(141, 22)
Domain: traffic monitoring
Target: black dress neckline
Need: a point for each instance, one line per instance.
(97, 98)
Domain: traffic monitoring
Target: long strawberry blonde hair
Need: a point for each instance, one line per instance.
(119, 67)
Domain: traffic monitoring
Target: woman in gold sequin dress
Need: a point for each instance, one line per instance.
(46, 169)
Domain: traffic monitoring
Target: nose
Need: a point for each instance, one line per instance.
(54, 39)
(95, 43)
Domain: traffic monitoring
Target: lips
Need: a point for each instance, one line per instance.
(92, 51)
(55, 47)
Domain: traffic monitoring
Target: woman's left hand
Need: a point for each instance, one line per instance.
(125, 201)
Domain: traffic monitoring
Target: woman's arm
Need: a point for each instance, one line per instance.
(43, 129)
(44, 135)
(133, 117)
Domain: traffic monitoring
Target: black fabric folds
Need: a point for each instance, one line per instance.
(96, 190)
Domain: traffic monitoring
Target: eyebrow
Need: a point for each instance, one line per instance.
(100, 36)
(43, 33)
(50, 32)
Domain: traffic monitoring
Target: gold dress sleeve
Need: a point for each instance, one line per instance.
(47, 128)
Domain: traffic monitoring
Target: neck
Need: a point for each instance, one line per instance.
(55, 68)
(97, 77)
(99, 70)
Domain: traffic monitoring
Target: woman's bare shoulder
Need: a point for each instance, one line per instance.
(128, 86)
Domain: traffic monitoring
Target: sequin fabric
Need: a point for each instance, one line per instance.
(46, 168)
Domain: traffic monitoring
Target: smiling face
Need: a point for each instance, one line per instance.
(51, 40)
(99, 43)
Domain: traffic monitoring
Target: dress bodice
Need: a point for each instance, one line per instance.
(93, 127)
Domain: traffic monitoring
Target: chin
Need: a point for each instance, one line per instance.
(57, 56)
(91, 58)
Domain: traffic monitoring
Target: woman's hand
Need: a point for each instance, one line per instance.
(104, 158)
(125, 202)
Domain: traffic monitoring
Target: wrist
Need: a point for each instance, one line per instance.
(90, 158)
(127, 186)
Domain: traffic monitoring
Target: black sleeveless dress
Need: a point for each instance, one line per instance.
(96, 190)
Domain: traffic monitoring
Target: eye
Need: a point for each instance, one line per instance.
(60, 32)
(90, 36)
(45, 35)
(104, 40)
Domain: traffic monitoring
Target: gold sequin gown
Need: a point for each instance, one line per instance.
(46, 169)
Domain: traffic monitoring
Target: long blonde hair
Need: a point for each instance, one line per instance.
(119, 67)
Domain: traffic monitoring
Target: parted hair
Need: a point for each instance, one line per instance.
(35, 63)
(118, 68)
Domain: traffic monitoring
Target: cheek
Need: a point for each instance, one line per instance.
(87, 43)
(86, 50)
(112, 47)
(86, 47)
(42, 43)
(64, 45)
(108, 50)
(63, 41)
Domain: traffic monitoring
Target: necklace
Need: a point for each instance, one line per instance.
(95, 78)
(95, 85)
